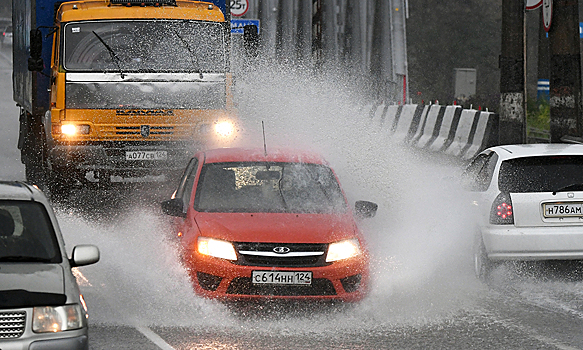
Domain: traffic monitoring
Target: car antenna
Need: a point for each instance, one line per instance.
(264, 144)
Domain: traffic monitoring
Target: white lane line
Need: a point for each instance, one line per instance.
(532, 333)
(154, 338)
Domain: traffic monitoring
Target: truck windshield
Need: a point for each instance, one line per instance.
(145, 46)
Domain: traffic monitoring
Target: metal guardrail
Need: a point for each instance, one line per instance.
(535, 135)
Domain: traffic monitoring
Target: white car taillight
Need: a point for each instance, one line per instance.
(502, 212)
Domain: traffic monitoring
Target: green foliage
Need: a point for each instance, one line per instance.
(538, 114)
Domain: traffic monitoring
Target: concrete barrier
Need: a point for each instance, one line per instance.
(445, 129)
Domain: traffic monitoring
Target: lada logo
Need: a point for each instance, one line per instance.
(281, 250)
(145, 130)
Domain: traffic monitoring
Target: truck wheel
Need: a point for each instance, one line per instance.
(35, 164)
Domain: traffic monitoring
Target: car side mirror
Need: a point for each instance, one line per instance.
(35, 61)
(173, 207)
(365, 209)
(84, 254)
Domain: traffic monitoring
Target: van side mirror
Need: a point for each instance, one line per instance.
(84, 254)
(35, 61)
(173, 207)
(365, 209)
(251, 40)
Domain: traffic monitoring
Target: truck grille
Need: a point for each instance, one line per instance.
(12, 324)
(136, 130)
(298, 254)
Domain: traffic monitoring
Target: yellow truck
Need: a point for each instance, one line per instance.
(119, 88)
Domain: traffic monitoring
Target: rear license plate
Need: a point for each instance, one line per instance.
(557, 210)
(282, 277)
(146, 155)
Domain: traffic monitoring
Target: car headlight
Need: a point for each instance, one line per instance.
(225, 128)
(345, 249)
(217, 248)
(74, 129)
(57, 318)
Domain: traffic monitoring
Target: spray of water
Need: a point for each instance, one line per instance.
(420, 240)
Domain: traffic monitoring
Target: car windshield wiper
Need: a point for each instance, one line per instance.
(571, 187)
(114, 57)
(193, 58)
(22, 258)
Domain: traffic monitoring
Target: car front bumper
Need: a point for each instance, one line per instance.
(533, 243)
(346, 280)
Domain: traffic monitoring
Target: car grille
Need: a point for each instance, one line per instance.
(244, 286)
(297, 254)
(136, 130)
(12, 324)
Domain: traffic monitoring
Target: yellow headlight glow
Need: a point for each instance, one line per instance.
(74, 129)
(225, 128)
(216, 248)
(345, 249)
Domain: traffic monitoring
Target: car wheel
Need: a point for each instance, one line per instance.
(482, 265)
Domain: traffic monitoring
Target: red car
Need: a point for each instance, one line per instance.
(277, 225)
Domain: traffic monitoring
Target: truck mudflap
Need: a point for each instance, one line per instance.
(125, 159)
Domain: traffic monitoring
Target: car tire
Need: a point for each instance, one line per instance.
(483, 266)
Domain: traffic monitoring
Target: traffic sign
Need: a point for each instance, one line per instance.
(239, 7)
(547, 14)
(533, 4)
(237, 25)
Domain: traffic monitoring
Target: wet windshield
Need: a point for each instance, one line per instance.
(275, 187)
(540, 174)
(26, 233)
(144, 46)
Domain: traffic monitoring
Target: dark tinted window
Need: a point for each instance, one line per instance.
(541, 174)
(274, 187)
(478, 174)
(26, 233)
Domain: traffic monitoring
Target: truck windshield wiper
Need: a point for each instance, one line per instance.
(193, 58)
(21, 258)
(571, 187)
(114, 57)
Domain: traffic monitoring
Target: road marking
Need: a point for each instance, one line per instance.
(514, 324)
(154, 338)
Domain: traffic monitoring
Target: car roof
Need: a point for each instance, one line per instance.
(533, 150)
(16, 190)
(221, 155)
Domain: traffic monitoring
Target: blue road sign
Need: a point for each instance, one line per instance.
(238, 24)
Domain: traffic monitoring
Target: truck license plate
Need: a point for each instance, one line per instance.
(282, 277)
(146, 155)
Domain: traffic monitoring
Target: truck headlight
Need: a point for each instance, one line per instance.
(74, 129)
(217, 248)
(224, 128)
(57, 318)
(345, 249)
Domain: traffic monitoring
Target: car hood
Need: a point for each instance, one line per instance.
(34, 278)
(276, 227)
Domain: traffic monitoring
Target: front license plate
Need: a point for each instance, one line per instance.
(146, 155)
(557, 210)
(282, 277)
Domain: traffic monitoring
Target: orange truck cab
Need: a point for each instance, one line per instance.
(119, 87)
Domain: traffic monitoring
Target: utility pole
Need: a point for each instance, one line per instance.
(512, 74)
(565, 70)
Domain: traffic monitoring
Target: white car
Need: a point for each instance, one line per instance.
(529, 203)
(40, 303)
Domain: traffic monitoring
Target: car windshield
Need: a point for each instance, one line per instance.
(26, 233)
(144, 46)
(540, 174)
(268, 187)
